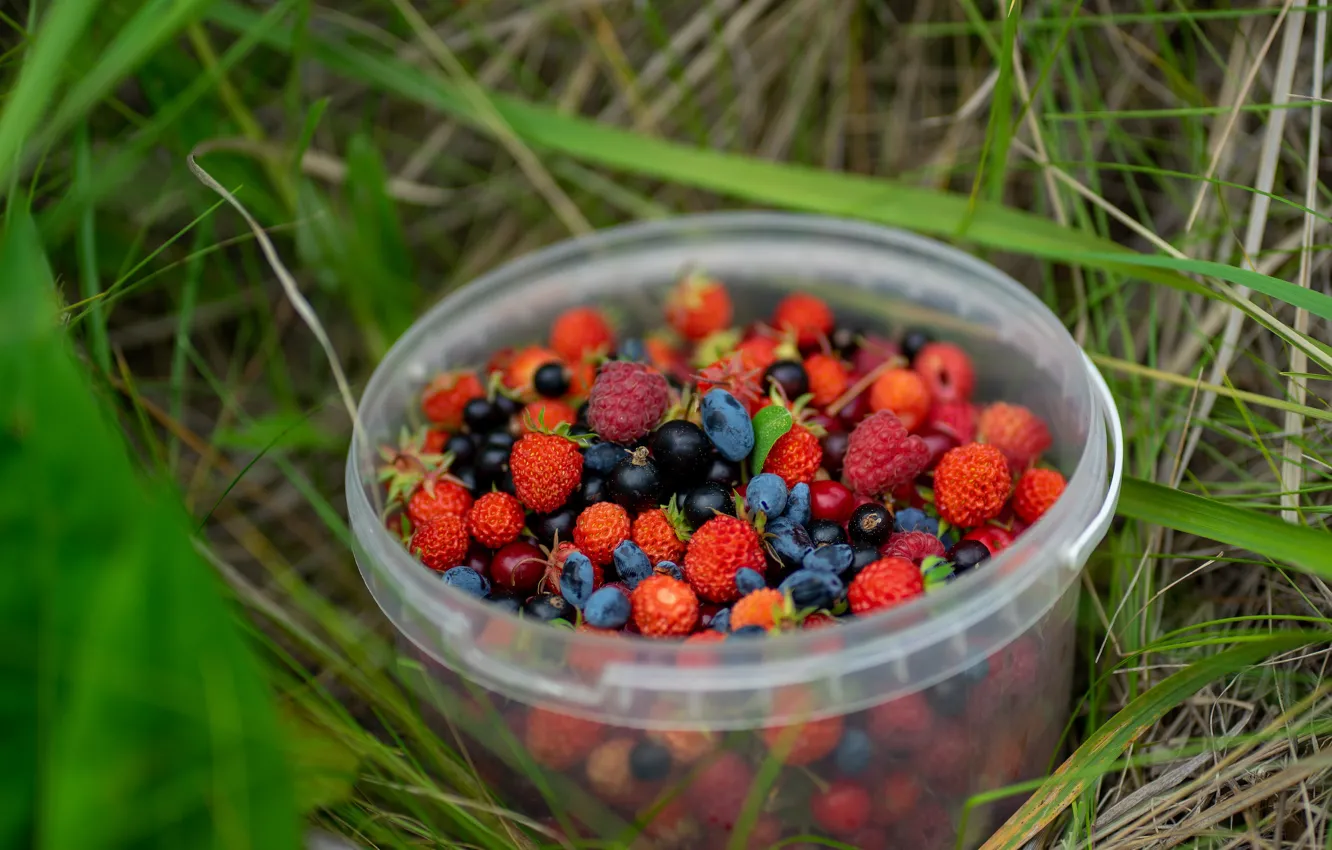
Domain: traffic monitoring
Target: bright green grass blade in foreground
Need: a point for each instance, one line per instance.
(142, 720)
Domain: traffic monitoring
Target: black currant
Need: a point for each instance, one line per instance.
(462, 448)
(548, 607)
(503, 439)
(594, 489)
(465, 474)
(649, 761)
(551, 380)
(707, 500)
(913, 341)
(864, 556)
(870, 525)
(967, 555)
(825, 532)
(682, 452)
(723, 472)
(546, 527)
(481, 415)
(635, 482)
(834, 452)
(507, 407)
(491, 463)
(845, 341)
(790, 375)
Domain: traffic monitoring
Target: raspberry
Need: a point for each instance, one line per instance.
(599, 529)
(883, 584)
(656, 536)
(971, 484)
(546, 469)
(805, 315)
(882, 455)
(795, 456)
(627, 400)
(757, 609)
(904, 393)
(947, 371)
(901, 725)
(440, 544)
(444, 397)
(545, 415)
(719, 548)
(1015, 431)
(914, 546)
(956, 419)
(496, 519)
(580, 332)
(718, 792)
(664, 607)
(436, 498)
(1036, 491)
(827, 378)
(698, 306)
(559, 741)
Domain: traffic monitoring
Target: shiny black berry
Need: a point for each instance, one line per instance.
(834, 452)
(545, 527)
(507, 407)
(506, 603)
(503, 439)
(582, 415)
(504, 483)
(465, 474)
(949, 697)
(481, 415)
(870, 525)
(636, 483)
(790, 375)
(913, 341)
(649, 761)
(682, 452)
(462, 448)
(705, 501)
(723, 472)
(845, 341)
(548, 607)
(864, 556)
(551, 380)
(491, 463)
(825, 532)
(594, 489)
(967, 555)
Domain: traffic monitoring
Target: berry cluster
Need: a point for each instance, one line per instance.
(708, 481)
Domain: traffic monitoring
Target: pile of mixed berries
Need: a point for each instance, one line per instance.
(706, 480)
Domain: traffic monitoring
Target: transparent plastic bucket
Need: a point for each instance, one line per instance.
(958, 692)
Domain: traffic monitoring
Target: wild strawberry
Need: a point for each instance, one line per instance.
(599, 529)
(995, 539)
(883, 584)
(914, 546)
(956, 419)
(627, 400)
(719, 790)
(758, 352)
(1015, 431)
(435, 440)
(1037, 490)
(554, 566)
(842, 808)
(663, 354)
(445, 396)
(559, 741)
(440, 544)
(904, 393)
(805, 315)
(946, 370)
(760, 608)
(698, 306)
(795, 456)
(521, 369)
(664, 607)
(733, 374)
(686, 745)
(719, 548)
(827, 378)
(819, 620)
(898, 797)
(803, 741)
(580, 332)
(437, 497)
(902, 724)
(971, 484)
(496, 519)
(546, 469)
(581, 377)
(657, 536)
(546, 415)
(881, 455)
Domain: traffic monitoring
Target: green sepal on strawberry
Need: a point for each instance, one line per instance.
(407, 465)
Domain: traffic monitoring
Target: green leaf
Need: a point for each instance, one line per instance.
(770, 423)
(141, 719)
(324, 766)
(1300, 546)
(287, 430)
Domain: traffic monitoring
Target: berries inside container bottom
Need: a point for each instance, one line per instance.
(782, 473)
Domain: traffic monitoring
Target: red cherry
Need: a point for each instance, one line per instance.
(843, 809)
(478, 558)
(938, 444)
(874, 351)
(994, 538)
(517, 567)
(854, 411)
(898, 797)
(834, 451)
(830, 500)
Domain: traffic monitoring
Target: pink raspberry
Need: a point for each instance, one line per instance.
(627, 399)
(881, 455)
(915, 546)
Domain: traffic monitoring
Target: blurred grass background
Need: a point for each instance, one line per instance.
(1151, 169)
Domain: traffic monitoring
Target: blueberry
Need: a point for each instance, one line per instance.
(635, 482)
(594, 489)
(812, 588)
(797, 504)
(913, 341)
(967, 555)
(870, 525)
(506, 603)
(632, 349)
(790, 375)
(551, 380)
(462, 448)
(789, 541)
(682, 452)
(602, 458)
(854, 752)
(548, 607)
(649, 761)
(706, 501)
(671, 569)
(726, 422)
(825, 532)
(607, 608)
(747, 632)
(749, 580)
(546, 527)
(632, 563)
(721, 621)
(767, 493)
(724, 472)
(577, 579)
(467, 580)
(481, 415)
(836, 558)
(914, 519)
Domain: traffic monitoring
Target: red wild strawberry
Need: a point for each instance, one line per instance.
(947, 371)
(733, 374)
(698, 306)
(1037, 490)
(881, 455)
(435, 440)
(546, 469)
(819, 620)
(803, 741)
(904, 393)
(805, 315)
(971, 484)
(956, 419)
(581, 377)
(843, 808)
(550, 578)
(795, 456)
(758, 352)
(759, 608)
(559, 741)
(440, 544)
(546, 415)
(902, 724)
(496, 519)
(995, 539)
(719, 548)
(627, 400)
(664, 607)
(827, 378)
(914, 546)
(520, 371)
(599, 529)
(883, 584)
(657, 536)
(445, 396)
(581, 332)
(435, 498)
(898, 797)
(1015, 431)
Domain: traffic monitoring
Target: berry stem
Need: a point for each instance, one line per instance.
(863, 384)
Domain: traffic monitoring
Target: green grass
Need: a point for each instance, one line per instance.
(392, 151)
